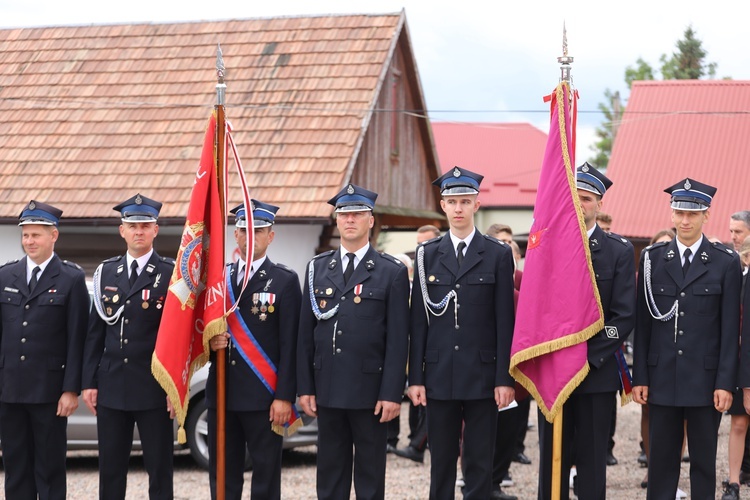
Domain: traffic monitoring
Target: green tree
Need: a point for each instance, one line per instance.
(687, 63)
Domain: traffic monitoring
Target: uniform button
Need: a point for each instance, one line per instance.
(601, 360)
(682, 313)
(234, 362)
(26, 306)
(682, 294)
(597, 275)
(343, 297)
(125, 341)
(23, 358)
(481, 279)
(127, 321)
(679, 352)
(125, 360)
(25, 323)
(456, 348)
(338, 351)
(661, 289)
(127, 301)
(458, 285)
(680, 332)
(52, 300)
(23, 340)
(457, 327)
(63, 366)
(380, 368)
(339, 332)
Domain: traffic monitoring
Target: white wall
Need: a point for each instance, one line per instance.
(10, 248)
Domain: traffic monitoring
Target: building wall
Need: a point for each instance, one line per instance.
(293, 245)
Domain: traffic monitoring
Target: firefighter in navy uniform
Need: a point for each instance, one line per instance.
(686, 343)
(352, 342)
(269, 308)
(462, 320)
(587, 413)
(43, 309)
(129, 295)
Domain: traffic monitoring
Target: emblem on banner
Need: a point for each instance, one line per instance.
(187, 282)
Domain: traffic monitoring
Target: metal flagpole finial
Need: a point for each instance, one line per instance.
(220, 85)
(566, 60)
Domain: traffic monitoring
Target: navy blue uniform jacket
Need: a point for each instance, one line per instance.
(277, 336)
(357, 357)
(683, 364)
(119, 366)
(41, 333)
(613, 259)
(467, 362)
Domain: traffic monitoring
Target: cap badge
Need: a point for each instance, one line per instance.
(585, 168)
(456, 172)
(32, 206)
(688, 185)
(138, 200)
(350, 189)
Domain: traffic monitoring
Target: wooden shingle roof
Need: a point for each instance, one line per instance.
(90, 115)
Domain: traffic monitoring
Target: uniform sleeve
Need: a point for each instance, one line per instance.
(505, 316)
(289, 310)
(619, 313)
(93, 349)
(642, 337)
(78, 306)
(417, 331)
(744, 374)
(397, 338)
(726, 375)
(305, 342)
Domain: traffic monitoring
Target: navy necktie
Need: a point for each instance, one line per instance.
(349, 268)
(686, 263)
(34, 278)
(460, 252)
(133, 272)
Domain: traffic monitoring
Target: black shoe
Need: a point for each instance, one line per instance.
(611, 460)
(643, 459)
(521, 458)
(411, 453)
(498, 493)
(731, 492)
(686, 458)
(389, 448)
(745, 477)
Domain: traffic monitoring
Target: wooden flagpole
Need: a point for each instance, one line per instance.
(219, 151)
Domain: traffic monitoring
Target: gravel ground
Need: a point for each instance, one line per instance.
(404, 479)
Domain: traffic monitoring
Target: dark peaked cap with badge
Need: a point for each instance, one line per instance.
(590, 179)
(458, 181)
(139, 209)
(353, 199)
(263, 214)
(691, 195)
(36, 212)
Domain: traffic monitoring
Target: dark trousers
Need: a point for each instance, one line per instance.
(444, 419)
(418, 427)
(394, 426)
(586, 421)
(666, 433)
(350, 439)
(524, 406)
(115, 432)
(34, 448)
(505, 442)
(247, 431)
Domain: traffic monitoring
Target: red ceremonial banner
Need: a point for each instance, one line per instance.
(194, 307)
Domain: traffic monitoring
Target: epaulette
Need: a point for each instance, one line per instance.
(72, 264)
(722, 248)
(112, 259)
(10, 262)
(656, 245)
(433, 240)
(618, 238)
(391, 258)
(283, 267)
(168, 260)
(324, 254)
(493, 239)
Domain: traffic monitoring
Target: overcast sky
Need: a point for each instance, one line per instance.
(478, 60)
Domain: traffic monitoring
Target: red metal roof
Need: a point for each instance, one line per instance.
(509, 155)
(672, 130)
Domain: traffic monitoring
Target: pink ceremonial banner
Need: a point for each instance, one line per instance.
(559, 306)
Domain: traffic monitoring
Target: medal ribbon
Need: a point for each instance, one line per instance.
(252, 352)
(358, 290)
